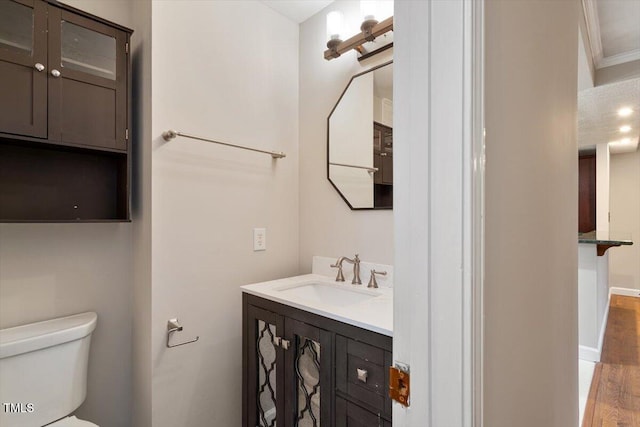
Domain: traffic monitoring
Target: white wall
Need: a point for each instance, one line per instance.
(229, 73)
(327, 225)
(531, 320)
(593, 300)
(602, 187)
(52, 270)
(624, 267)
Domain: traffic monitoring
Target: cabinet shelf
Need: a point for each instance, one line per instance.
(46, 183)
(9, 138)
(81, 64)
(15, 45)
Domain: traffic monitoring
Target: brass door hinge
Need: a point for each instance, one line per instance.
(126, 48)
(399, 384)
(126, 134)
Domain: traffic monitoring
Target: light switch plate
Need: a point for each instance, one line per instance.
(259, 239)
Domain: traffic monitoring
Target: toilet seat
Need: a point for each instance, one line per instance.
(72, 422)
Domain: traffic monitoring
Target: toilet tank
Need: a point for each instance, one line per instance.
(43, 369)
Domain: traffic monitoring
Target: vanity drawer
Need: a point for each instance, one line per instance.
(362, 373)
(351, 415)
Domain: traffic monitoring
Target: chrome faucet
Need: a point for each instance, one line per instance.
(356, 269)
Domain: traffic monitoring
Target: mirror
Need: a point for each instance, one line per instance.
(360, 140)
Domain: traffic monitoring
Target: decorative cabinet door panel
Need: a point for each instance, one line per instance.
(88, 83)
(265, 381)
(308, 375)
(23, 73)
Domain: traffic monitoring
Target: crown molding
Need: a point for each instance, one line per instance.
(593, 30)
(595, 40)
(620, 58)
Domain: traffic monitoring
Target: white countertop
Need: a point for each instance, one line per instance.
(374, 314)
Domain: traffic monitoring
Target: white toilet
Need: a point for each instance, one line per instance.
(43, 372)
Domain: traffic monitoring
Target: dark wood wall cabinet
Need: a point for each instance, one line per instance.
(383, 161)
(65, 80)
(302, 369)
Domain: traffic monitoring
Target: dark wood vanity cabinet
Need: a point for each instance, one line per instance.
(301, 369)
(64, 114)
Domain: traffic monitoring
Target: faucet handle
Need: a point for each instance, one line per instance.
(340, 276)
(373, 283)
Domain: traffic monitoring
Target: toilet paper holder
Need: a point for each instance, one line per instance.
(173, 325)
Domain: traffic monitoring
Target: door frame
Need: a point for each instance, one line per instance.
(439, 210)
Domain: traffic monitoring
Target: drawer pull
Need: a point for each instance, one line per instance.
(362, 375)
(281, 342)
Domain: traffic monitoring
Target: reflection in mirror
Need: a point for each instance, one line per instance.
(360, 140)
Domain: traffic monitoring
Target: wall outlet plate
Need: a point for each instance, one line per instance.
(259, 239)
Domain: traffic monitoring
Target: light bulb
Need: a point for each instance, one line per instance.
(368, 9)
(385, 9)
(335, 25)
(625, 112)
(625, 128)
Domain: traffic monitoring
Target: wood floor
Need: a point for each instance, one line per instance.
(614, 397)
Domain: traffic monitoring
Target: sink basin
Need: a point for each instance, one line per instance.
(327, 293)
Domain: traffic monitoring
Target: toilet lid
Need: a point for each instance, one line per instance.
(72, 422)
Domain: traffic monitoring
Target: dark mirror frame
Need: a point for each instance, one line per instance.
(370, 70)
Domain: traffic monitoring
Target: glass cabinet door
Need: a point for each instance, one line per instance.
(308, 373)
(17, 27)
(265, 377)
(87, 51)
(87, 90)
(23, 59)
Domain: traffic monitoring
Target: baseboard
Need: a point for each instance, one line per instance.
(592, 354)
(624, 291)
(603, 328)
(589, 353)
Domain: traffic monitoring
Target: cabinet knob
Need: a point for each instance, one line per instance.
(39, 66)
(55, 73)
(362, 374)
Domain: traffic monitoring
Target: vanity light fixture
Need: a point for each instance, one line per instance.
(335, 27)
(368, 9)
(625, 112)
(369, 30)
(625, 128)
